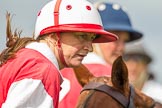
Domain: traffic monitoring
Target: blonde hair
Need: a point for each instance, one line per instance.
(97, 50)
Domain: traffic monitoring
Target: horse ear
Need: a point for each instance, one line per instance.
(119, 74)
(82, 74)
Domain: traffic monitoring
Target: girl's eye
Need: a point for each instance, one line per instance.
(87, 38)
(83, 37)
(93, 37)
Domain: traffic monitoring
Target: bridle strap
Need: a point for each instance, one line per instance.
(131, 97)
(56, 23)
(109, 91)
(125, 102)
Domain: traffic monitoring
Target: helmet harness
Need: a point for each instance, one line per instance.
(56, 20)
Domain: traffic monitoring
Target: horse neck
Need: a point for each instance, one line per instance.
(83, 75)
(143, 100)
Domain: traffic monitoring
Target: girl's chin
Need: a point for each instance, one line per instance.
(75, 64)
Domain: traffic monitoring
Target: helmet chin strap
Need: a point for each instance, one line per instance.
(56, 21)
(60, 52)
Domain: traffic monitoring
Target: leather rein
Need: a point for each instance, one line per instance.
(123, 100)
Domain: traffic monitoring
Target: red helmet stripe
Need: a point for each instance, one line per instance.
(71, 27)
(56, 12)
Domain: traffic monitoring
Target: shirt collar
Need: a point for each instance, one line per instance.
(46, 51)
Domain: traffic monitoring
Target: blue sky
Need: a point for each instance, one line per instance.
(146, 16)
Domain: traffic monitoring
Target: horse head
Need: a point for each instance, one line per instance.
(110, 92)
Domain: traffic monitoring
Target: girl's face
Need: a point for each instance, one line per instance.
(114, 49)
(75, 46)
(137, 69)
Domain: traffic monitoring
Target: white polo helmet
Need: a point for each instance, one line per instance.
(71, 15)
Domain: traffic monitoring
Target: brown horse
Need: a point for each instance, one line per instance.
(111, 92)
